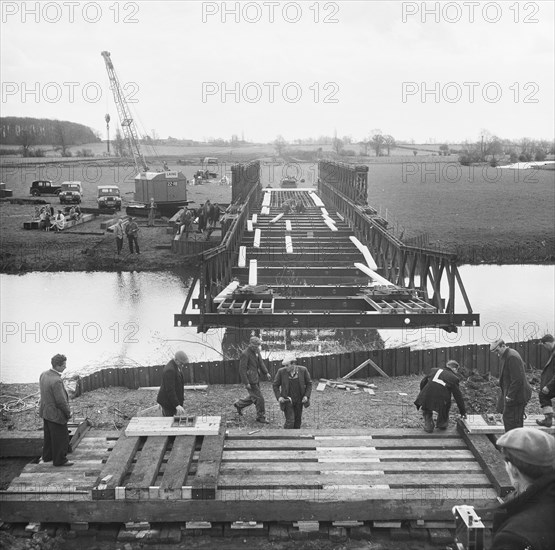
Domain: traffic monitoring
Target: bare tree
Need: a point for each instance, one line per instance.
(119, 144)
(26, 139)
(279, 144)
(377, 141)
(389, 143)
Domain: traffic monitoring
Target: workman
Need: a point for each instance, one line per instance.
(292, 388)
(171, 392)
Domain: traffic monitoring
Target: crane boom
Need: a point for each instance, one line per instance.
(124, 114)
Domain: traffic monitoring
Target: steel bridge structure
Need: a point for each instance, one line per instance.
(320, 258)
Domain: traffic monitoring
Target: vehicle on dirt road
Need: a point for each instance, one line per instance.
(109, 196)
(71, 191)
(44, 187)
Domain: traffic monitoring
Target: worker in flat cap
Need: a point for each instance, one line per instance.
(171, 392)
(527, 519)
(515, 389)
(292, 388)
(547, 382)
(251, 369)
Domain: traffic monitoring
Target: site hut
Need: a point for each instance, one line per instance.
(168, 189)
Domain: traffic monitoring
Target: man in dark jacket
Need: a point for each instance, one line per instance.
(435, 395)
(547, 389)
(292, 388)
(515, 389)
(251, 366)
(527, 519)
(55, 412)
(171, 393)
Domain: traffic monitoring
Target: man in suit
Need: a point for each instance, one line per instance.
(251, 368)
(547, 389)
(55, 412)
(515, 389)
(171, 393)
(435, 395)
(292, 388)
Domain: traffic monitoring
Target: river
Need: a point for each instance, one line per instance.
(126, 319)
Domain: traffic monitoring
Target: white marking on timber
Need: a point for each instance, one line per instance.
(330, 224)
(373, 275)
(288, 226)
(267, 199)
(253, 275)
(288, 244)
(365, 252)
(321, 386)
(324, 211)
(228, 290)
(265, 211)
(254, 218)
(242, 259)
(249, 225)
(257, 238)
(340, 216)
(277, 218)
(328, 218)
(317, 200)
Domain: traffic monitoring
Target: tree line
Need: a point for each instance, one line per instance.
(31, 133)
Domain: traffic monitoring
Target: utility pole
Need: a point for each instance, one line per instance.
(107, 119)
(482, 148)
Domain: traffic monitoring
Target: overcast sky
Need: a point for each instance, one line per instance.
(345, 67)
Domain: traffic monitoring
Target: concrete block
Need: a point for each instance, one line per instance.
(337, 534)
(440, 536)
(278, 532)
(364, 532)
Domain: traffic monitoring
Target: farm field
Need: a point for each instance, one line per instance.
(483, 214)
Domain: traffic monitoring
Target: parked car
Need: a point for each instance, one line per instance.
(109, 197)
(44, 187)
(71, 191)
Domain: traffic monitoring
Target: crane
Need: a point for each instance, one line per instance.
(125, 119)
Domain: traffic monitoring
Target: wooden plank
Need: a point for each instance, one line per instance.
(21, 444)
(470, 465)
(79, 434)
(116, 466)
(369, 442)
(177, 468)
(146, 426)
(491, 461)
(353, 455)
(146, 469)
(394, 480)
(395, 433)
(206, 480)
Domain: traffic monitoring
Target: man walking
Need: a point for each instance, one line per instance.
(251, 367)
(55, 412)
(132, 232)
(435, 395)
(292, 388)
(515, 389)
(171, 393)
(547, 389)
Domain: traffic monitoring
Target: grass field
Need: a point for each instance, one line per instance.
(483, 214)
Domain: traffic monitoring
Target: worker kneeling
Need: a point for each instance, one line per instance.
(435, 395)
(292, 388)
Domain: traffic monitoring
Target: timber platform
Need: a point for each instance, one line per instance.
(387, 475)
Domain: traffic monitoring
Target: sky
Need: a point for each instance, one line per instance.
(426, 71)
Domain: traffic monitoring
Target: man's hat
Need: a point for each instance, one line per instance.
(529, 445)
(494, 345)
(255, 340)
(547, 338)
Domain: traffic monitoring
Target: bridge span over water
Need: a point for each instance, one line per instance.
(332, 262)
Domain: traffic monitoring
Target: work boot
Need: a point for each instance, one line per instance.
(547, 421)
(428, 425)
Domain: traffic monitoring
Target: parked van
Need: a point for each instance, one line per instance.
(109, 196)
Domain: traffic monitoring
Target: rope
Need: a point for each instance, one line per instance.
(16, 404)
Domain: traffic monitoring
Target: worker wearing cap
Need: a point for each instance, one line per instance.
(515, 389)
(435, 395)
(171, 393)
(292, 388)
(527, 519)
(547, 383)
(251, 367)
